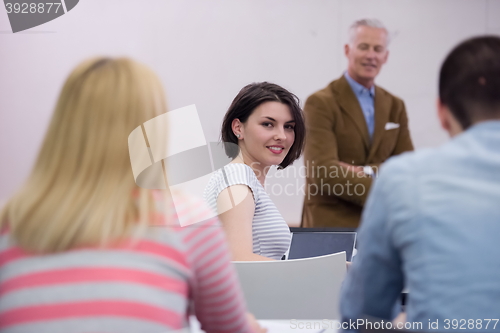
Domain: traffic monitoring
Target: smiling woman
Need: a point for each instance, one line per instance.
(264, 126)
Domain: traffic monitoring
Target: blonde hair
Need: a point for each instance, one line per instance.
(81, 191)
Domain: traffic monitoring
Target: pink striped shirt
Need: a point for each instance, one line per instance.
(143, 286)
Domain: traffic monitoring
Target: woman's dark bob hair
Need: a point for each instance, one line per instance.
(247, 100)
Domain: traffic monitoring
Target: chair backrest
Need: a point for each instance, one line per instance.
(293, 289)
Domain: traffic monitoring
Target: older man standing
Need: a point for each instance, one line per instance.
(431, 222)
(352, 127)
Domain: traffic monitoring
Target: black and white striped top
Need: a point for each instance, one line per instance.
(270, 233)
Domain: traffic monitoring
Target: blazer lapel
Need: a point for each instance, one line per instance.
(350, 106)
(382, 108)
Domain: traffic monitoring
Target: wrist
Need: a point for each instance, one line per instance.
(368, 171)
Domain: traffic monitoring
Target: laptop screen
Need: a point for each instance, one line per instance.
(314, 244)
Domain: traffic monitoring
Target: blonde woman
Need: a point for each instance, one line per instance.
(76, 253)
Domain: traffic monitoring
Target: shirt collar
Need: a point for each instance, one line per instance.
(357, 87)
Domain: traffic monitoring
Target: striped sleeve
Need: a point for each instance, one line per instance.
(239, 174)
(218, 301)
(230, 175)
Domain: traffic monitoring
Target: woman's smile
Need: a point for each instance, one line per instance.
(276, 149)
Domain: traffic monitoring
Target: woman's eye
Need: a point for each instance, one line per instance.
(290, 127)
(267, 124)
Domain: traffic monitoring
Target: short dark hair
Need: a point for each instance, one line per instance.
(247, 100)
(469, 81)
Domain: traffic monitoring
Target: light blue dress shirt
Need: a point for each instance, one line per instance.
(366, 99)
(432, 223)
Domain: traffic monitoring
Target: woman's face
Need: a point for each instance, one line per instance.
(267, 135)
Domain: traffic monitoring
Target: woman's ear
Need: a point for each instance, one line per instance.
(237, 128)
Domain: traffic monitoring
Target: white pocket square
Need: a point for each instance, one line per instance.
(389, 126)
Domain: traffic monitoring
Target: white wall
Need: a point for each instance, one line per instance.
(205, 51)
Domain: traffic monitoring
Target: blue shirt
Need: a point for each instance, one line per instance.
(366, 99)
(432, 223)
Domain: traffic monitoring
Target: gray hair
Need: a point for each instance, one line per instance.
(374, 23)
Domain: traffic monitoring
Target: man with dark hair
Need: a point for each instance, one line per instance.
(432, 220)
(352, 126)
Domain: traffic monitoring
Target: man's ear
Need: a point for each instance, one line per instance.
(448, 120)
(346, 50)
(443, 115)
(386, 56)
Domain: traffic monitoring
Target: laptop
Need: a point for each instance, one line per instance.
(308, 244)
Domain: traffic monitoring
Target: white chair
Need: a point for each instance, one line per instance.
(293, 289)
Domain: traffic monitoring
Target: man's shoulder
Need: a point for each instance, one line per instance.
(386, 93)
(327, 94)
(325, 91)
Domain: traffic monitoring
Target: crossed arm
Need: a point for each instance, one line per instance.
(322, 147)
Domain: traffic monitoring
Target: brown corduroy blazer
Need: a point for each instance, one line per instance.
(337, 131)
